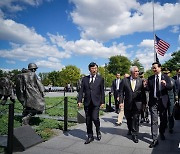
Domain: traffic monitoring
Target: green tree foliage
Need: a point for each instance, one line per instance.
(44, 79)
(138, 64)
(173, 63)
(108, 77)
(54, 77)
(1, 73)
(148, 73)
(69, 74)
(120, 64)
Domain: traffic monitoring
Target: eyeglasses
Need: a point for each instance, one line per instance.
(136, 71)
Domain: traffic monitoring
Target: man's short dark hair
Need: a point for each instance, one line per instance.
(177, 69)
(159, 65)
(92, 64)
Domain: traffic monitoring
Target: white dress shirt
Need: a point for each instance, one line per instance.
(159, 75)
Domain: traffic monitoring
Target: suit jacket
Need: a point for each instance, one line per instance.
(177, 87)
(163, 91)
(94, 93)
(129, 96)
(113, 87)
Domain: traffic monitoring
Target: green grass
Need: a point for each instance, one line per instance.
(44, 127)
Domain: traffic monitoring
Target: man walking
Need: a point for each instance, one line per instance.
(114, 89)
(92, 88)
(172, 95)
(177, 84)
(158, 86)
(133, 95)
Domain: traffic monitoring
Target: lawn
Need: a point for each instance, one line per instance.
(44, 127)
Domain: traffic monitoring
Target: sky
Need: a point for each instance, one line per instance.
(57, 33)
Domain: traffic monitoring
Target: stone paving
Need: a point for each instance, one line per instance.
(114, 140)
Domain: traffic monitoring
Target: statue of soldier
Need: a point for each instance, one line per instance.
(30, 92)
(6, 89)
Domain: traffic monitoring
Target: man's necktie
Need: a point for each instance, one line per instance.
(91, 83)
(133, 84)
(157, 87)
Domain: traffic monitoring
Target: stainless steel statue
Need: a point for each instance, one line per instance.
(30, 92)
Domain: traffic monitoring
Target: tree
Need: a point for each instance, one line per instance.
(54, 78)
(173, 63)
(69, 74)
(138, 64)
(119, 64)
(44, 79)
(148, 73)
(1, 73)
(108, 77)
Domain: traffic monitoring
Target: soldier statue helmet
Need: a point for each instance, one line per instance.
(32, 66)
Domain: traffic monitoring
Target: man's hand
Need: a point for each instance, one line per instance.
(102, 106)
(79, 104)
(163, 82)
(117, 98)
(121, 105)
(145, 83)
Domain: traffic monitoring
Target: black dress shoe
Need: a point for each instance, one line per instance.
(162, 137)
(135, 139)
(99, 136)
(118, 124)
(153, 144)
(147, 120)
(88, 140)
(129, 133)
(142, 120)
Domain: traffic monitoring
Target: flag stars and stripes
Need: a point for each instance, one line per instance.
(161, 46)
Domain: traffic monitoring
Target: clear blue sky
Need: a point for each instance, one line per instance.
(56, 33)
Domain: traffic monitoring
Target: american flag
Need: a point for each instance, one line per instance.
(161, 46)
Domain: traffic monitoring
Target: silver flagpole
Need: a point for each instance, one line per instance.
(154, 32)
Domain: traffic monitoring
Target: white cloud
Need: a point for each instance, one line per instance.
(19, 33)
(89, 47)
(145, 54)
(52, 59)
(50, 64)
(12, 6)
(147, 43)
(111, 20)
(175, 29)
(28, 51)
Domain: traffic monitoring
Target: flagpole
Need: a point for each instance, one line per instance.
(154, 32)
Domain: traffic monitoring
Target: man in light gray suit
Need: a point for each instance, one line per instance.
(133, 95)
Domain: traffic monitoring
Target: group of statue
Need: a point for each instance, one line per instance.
(27, 88)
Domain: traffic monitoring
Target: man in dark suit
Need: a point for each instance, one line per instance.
(158, 86)
(92, 88)
(172, 95)
(114, 90)
(133, 95)
(177, 84)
